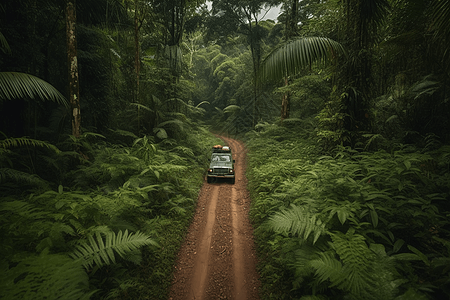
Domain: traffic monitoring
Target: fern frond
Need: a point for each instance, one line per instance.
(23, 141)
(364, 274)
(20, 177)
(101, 252)
(298, 221)
(327, 267)
(45, 277)
(22, 209)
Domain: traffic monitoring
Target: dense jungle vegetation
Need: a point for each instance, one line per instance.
(107, 109)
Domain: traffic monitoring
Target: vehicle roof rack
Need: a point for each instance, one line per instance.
(221, 149)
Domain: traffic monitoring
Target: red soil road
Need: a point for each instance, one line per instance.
(217, 259)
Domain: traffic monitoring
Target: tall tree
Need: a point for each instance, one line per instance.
(74, 88)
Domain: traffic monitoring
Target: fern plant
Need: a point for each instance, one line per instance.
(96, 250)
(355, 268)
(298, 221)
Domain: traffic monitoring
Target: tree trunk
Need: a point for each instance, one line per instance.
(255, 48)
(74, 88)
(291, 31)
(137, 64)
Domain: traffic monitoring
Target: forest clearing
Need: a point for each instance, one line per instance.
(337, 113)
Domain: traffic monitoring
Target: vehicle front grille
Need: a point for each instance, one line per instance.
(220, 171)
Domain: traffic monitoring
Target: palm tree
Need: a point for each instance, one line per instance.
(288, 59)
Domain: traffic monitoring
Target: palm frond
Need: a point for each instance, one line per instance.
(15, 85)
(101, 252)
(297, 220)
(290, 58)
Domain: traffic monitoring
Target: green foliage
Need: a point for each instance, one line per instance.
(100, 229)
(348, 225)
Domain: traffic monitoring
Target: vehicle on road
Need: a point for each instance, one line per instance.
(221, 164)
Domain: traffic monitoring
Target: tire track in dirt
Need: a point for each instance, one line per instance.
(201, 267)
(239, 279)
(217, 259)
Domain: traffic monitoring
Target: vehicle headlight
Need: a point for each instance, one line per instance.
(231, 171)
(210, 170)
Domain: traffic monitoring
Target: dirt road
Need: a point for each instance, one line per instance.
(217, 259)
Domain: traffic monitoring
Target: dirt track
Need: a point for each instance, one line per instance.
(217, 259)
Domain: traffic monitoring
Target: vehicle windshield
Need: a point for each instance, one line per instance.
(221, 158)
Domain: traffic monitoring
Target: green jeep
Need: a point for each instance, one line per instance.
(222, 164)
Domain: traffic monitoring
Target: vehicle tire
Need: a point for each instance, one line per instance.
(233, 180)
(208, 179)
